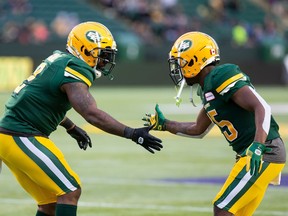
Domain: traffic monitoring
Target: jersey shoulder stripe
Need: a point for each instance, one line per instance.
(229, 82)
(78, 75)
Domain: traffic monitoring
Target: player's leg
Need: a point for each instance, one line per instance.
(67, 203)
(48, 174)
(46, 210)
(12, 156)
(250, 208)
(243, 192)
(258, 189)
(38, 193)
(221, 212)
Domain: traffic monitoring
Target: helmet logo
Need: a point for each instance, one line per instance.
(93, 36)
(184, 45)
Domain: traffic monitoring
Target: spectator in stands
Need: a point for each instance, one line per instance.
(63, 23)
(239, 35)
(40, 32)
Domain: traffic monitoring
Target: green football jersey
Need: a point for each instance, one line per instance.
(235, 123)
(38, 105)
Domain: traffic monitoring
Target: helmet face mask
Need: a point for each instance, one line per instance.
(175, 70)
(94, 44)
(106, 61)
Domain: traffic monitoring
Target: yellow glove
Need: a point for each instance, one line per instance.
(156, 120)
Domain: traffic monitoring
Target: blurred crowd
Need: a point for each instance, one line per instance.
(164, 20)
(21, 27)
(155, 21)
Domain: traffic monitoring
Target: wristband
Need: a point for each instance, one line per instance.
(67, 124)
(128, 132)
(73, 126)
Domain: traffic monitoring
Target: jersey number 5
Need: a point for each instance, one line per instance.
(227, 127)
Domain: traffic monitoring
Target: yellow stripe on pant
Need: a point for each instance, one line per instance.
(242, 193)
(39, 166)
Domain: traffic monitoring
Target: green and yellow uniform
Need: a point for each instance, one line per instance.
(238, 127)
(33, 112)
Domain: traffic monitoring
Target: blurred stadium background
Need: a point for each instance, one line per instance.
(251, 33)
(119, 178)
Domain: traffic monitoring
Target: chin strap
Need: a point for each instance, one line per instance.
(179, 92)
(180, 89)
(98, 73)
(191, 96)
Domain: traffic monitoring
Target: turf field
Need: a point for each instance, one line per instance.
(122, 179)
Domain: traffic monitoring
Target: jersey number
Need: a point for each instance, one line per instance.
(30, 78)
(38, 70)
(229, 132)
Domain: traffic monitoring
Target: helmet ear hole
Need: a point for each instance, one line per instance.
(86, 52)
(191, 63)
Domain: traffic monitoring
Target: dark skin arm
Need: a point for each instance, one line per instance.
(190, 128)
(246, 99)
(84, 103)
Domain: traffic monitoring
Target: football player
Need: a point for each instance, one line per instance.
(39, 105)
(231, 102)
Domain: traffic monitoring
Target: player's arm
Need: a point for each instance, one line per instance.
(84, 103)
(247, 98)
(197, 129)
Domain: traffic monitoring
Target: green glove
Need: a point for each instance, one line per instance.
(156, 120)
(254, 155)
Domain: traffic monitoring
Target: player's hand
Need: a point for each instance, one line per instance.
(254, 155)
(142, 137)
(157, 120)
(81, 136)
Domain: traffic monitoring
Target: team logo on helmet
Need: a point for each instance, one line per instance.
(184, 45)
(93, 36)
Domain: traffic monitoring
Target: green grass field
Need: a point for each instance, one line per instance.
(122, 179)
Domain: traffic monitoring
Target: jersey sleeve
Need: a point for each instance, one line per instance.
(228, 80)
(75, 72)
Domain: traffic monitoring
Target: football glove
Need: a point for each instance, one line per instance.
(157, 120)
(142, 137)
(254, 155)
(81, 137)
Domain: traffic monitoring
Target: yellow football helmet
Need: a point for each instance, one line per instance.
(190, 53)
(93, 43)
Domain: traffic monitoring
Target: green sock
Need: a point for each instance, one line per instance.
(39, 213)
(66, 210)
